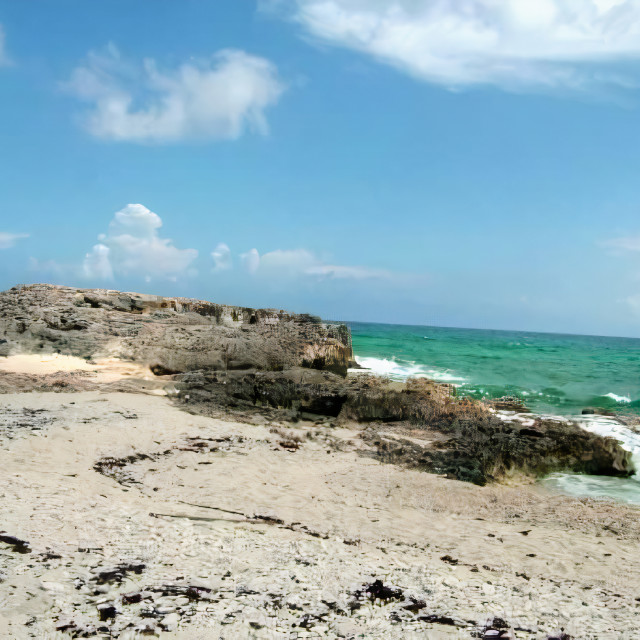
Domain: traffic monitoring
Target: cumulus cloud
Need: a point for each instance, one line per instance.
(8, 240)
(515, 44)
(214, 99)
(221, 255)
(301, 262)
(251, 260)
(97, 263)
(133, 246)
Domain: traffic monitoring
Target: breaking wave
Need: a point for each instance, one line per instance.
(601, 487)
(391, 368)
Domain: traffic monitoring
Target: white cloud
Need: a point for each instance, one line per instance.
(97, 263)
(8, 240)
(214, 99)
(630, 243)
(132, 246)
(222, 257)
(515, 44)
(341, 272)
(301, 262)
(251, 260)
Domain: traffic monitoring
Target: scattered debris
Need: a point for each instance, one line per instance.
(17, 545)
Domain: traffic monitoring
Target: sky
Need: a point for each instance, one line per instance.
(469, 164)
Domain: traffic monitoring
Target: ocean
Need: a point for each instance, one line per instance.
(554, 374)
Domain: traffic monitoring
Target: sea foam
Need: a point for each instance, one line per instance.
(622, 489)
(395, 370)
(620, 399)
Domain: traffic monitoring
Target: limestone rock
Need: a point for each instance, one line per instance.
(171, 335)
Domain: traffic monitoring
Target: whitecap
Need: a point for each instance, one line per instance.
(620, 399)
(402, 370)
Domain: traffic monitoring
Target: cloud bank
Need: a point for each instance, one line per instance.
(301, 262)
(8, 240)
(133, 246)
(514, 44)
(215, 99)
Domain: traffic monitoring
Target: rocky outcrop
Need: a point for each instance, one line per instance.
(293, 366)
(171, 335)
(420, 424)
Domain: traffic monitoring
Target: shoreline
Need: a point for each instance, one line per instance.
(234, 482)
(232, 510)
(622, 427)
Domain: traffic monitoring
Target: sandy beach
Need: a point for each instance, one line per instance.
(125, 515)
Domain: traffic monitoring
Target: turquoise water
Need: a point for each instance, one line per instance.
(560, 374)
(554, 374)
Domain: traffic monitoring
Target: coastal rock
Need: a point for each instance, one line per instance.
(224, 358)
(170, 335)
(452, 436)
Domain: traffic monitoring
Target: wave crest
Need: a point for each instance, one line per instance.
(395, 370)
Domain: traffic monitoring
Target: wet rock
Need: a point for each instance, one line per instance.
(510, 403)
(466, 440)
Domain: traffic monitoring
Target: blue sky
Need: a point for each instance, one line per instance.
(399, 161)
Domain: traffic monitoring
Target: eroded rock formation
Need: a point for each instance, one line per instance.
(171, 335)
(420, 424)
(225, 358)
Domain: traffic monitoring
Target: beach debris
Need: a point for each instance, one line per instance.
(132, 598)
(115, 468)
(497, 629)
(193, 592)
(377, 590)
(438, 619)
(106, 611)
(16, 544)
(117, 574)
(414, 605)
(49, 554)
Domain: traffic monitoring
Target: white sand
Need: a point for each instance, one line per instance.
(106, 369)
(381, 521)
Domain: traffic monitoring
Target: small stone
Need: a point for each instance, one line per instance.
(170, 621)
(165, 610)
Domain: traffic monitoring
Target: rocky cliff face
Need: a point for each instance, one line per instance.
(171, 335)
